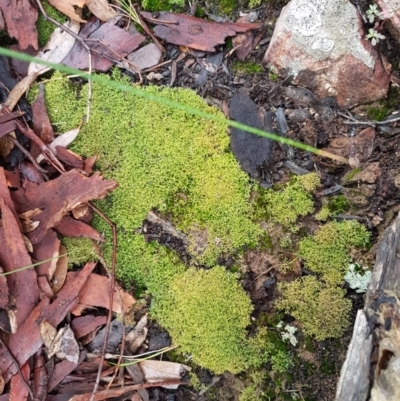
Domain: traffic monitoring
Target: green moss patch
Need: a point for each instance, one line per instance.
(286, 205)
(207, 313)
(46, 28)
(163, 159)
(327, 252)
(321, 309)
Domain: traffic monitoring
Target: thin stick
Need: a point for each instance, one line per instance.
(18, 369)
(29, 156)
(112, 276)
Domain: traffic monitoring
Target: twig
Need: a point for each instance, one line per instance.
(82, 41)
(112, 276)
(15, 362)
(29, 156)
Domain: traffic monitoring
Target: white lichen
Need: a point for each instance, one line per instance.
(287, 333)
(355, 279)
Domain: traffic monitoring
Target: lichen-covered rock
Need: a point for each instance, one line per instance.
(322, 44)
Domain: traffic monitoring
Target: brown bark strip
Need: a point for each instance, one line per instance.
(27, 340)
(58, 197)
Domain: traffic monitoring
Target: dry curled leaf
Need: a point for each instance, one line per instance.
(67, 8)
(101, 9)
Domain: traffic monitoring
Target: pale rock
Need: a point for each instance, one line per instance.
(322, 44)
(146, 57)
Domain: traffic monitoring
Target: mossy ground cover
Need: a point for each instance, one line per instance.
(181, 166)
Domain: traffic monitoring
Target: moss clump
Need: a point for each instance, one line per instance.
(246, 67)
(324, 213)
(253, 392)
(284, 206)
(46, 28)
(377, 113)
(321, 309)
(80, 250)
(207, 312)
(327, 252)
(162, 5)
(163, 159)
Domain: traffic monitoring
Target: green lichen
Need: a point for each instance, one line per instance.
(321, 309)
(327, 252)
(163, 159)
(246, 67)
(46, 28)
(207, 313)
(284, 206)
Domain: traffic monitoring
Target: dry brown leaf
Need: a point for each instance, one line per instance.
(101, 9)
(47, 333)
(47, 249)
(136, 337)
(60, 273)
(96, 292)
(62, 343)
(28, 224)
(67, 8)
(159, 371)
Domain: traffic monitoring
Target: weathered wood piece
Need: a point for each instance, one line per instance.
(372, 367)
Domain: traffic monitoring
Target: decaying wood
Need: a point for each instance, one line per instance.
(371, 370)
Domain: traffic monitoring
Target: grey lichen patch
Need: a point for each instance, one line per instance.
(326, 29)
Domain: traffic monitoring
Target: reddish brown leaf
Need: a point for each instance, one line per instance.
(3, 282)
(44, 286)
(26, 341)
(20, 17)
(7, 127)
(14, 257)
(195, 33)
(47, 248)
(96, 292)
(18, 390)
(69, 227)
(5, 194)
(111, 41)
(58, 197)
(11, 116)
(13, 178)
(69, 158)
(40, 118)
(40, 379)
(89, 163)
(85, 324)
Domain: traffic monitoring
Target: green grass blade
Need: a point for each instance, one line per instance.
(153, 98)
